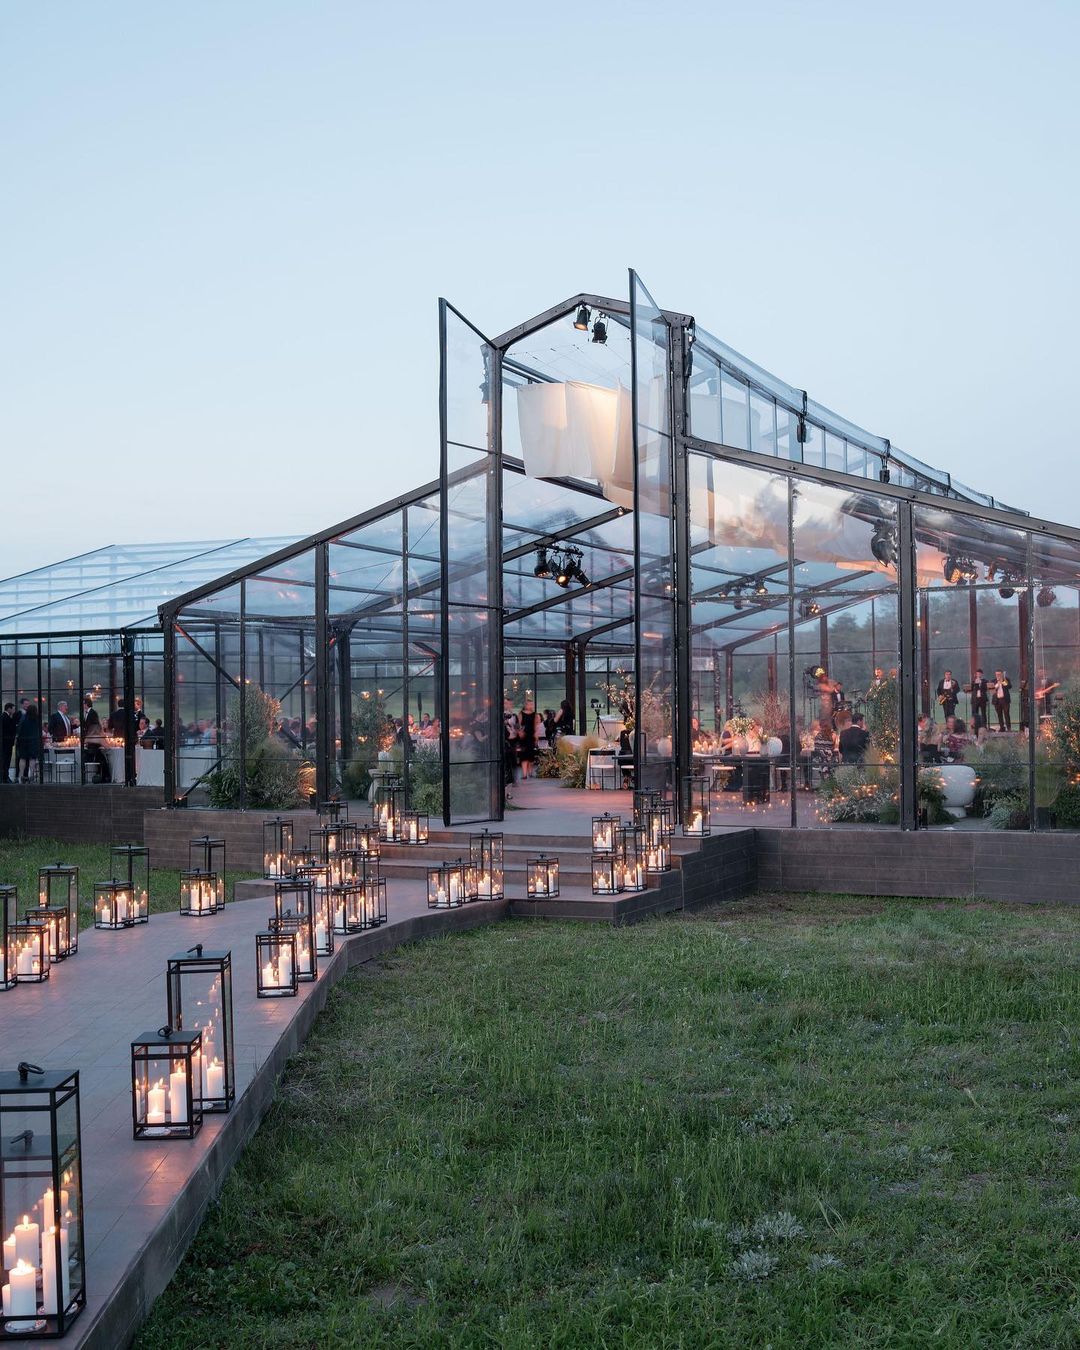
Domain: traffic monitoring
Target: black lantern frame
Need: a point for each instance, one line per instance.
(302, 926)
(541, 877)
(657, 840)
(323, 909)
(58, 884)
(41, 1202)
(606, 873)
(56, 920)
(605, 833)
(368, 841)
(32, 964)
(278, 845)
(373, 893)
(414, 828)
(697, 807)
(208, 855)
(486, 856)
(446, 888)
(9, 917)
(112, 904)
(346, 908)
(334, 810)
(387, 806)
(198, 987)
(275, 965)
(201, 893)
(164, 1100)
(295, 895)
(632, 870)
(133, 862)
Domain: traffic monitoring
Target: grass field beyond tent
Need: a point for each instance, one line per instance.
(800, 1122)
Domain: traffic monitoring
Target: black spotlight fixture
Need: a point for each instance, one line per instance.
(1045, 597)
(543, 567)
(599, 330)
(581, 323)
(1006, 591)
(761, 587)
(883, 542)
(950, 569)
(809, 608)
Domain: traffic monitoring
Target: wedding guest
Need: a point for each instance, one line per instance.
(9, 725)
(59, 723)
(530, 726)
(1001, 698)
(980, 698)
(948, 691)
(28, 746)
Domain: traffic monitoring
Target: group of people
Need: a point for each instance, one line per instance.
(524, 731)
(24, 739)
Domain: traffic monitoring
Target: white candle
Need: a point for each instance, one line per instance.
(320, 936)
(6, 1292)
(215, 1079)
(9, 1252)
(23, 1290)
(48, 1205)
(121, 907)
(26, 1241)
(269, 975)
(284, 961)
(155, 1104)
(141, 902)
(178, 1111)
(24, 962)
(48, 1269)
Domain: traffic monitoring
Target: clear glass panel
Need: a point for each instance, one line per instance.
(844, 540)
(762, 424)
(735, 412)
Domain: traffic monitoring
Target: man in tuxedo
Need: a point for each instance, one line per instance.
(60, 723)
(118, 718)
(980, 698)
(1001, 698)
(8, 726)
(948, 692)
(90, 719)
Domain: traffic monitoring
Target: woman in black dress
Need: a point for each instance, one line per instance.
(527, 739)
(27, 744)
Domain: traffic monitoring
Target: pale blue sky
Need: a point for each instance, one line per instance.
(225, 227)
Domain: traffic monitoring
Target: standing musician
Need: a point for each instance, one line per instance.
(1044, 694)
(980, 699)
(948, 691)
(1001, 698)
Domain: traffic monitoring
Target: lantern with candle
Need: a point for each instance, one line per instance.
(446, 885)
(414, 828)
(646, 799)
(30, 942)
(207, 855)
(657, 840)
(200, 893)
(296, 895)
(166, 1084)
(112, 904)
(58, 884)
(373, 901)
(198, 986)
(387, 806)
(541, 877)
(41, 1210)
(303, 927)
(9, 917)
(367, 840)
(605, 833)
(632, 851)
(486, 859)
(606, 874)
(697, 807)
(275, 965)
(54, 919)
(346, 908)
(132, 863)
(277, 847)
(334, 810)
(323, 909)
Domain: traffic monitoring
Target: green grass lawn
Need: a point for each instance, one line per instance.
(20, 860)
(796, 1122)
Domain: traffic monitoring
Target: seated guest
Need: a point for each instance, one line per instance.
(854, 738)
(142, 732)
(625, 757)
(156, 735)
(929, 741)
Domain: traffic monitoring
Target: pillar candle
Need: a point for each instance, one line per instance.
(155, 1105)
(48, 1269)
(49, 1215)
(23, 1295)
(269, 975)
(24, 962)
(9, 1252)
(121, 907)
(7, 1300)
(178, 1111)
(285, 966)
(215, 1079)
(26, 1241)
(320, 935)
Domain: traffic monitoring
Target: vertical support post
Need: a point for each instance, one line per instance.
(907, 750)
(172, 720)
(729, 681)
(1027, 688)
(924, 653)
(582, 691)
(569, 674)
(406, 739)
(973, 632)
(444, 578)
(127, 656)
(495, 579)
(344, 679)
(682, 739)
(793, 726)
(242, 757)
(323, 730)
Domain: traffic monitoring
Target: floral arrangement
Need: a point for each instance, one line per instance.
(742, 726)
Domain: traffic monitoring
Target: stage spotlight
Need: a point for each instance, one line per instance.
(581, 323)
(883, 542)
(1045, 597)
(599, 331)
(543, 567)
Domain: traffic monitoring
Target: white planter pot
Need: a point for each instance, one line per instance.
(958, 782)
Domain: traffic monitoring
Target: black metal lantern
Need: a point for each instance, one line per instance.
(41, 1202)
(55, 919)
(296, 895)
(319, 874)
(657, 840)
(303, 857)
(646, 799)
(199, 989)
(208, 855)
(9, 917)
(347, 908)
(58, 884)
(368, 841)
(334, 810)
(541, 877)
(277, 847)
(387, 806)
(200, 893)
(605, 833)
(323, 909)
(373, 895)
(165, 1102)
(606, 875)
(632, 871)
(486, 860)
(413, 828)
(275, 958)
(697, 807)
(446, 885)
(302, 926)
(112, 904)
(132, 861)
(29, 941)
